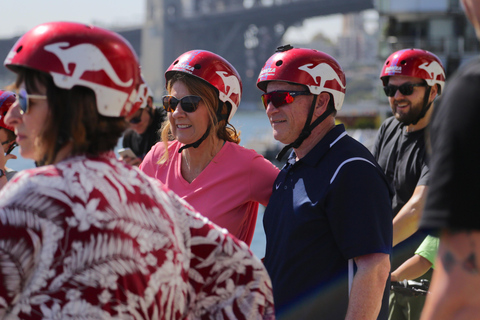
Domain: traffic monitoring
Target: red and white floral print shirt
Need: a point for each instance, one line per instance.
(92, 238)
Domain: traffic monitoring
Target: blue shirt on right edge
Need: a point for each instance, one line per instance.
(332, 205)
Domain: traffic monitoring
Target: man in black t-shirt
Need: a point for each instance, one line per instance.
(412, 79)
(144, 131)
(452, 202)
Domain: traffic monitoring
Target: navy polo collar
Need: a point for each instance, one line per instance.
(323, 146)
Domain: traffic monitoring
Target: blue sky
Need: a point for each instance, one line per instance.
(21, 15)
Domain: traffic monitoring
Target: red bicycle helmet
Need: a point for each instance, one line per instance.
(76, 54)
(214, 70)
(317, 70)
(416, 63)
(7, 99)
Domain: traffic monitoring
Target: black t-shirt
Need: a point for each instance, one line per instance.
(455, 135)
(403, 158)
(142, 143)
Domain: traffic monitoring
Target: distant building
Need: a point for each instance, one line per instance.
(355, 45)
(439, 26)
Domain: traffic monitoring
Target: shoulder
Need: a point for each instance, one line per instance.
(240, 151)
(348, 147)
(464, 84)
(354, 159)
(390, 124)
(129, 133)
(159, 148)
(42, 182)
(156, 152)
(240, 154)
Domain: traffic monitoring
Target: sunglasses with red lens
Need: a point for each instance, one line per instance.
(280, 98)
(405, 89)
(189, 103)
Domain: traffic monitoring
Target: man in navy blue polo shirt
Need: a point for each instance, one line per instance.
(328, 223)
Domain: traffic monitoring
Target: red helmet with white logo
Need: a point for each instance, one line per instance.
(315, 69)
(76, 54)
(416, 63)
(7, 99)
(213, 69)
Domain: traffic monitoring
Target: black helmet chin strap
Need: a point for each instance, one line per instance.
(307, 129)
(425, 107)
(220, 117)
(196, 143)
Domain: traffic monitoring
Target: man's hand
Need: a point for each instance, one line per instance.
(4, 158)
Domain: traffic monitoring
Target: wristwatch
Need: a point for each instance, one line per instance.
(2, 173)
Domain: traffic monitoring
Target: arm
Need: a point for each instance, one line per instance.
(406, 221)
(413, 268)
(262, 177)
(456, 280)
(368, 286)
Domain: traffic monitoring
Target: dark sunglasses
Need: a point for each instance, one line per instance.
(280, 98)
(405, 89)
(24, 100)
(189, 103)
(137, 119)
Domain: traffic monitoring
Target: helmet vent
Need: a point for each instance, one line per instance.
(19, 49)
(279, 63)
(387, 63)
(176, 61)
(403, 62)
(197, 66)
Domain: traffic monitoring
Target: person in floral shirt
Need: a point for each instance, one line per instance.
(85, 235)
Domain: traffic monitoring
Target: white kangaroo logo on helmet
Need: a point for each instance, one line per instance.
(231, 82)
(324, 71)
(86, 57)
(434, 69)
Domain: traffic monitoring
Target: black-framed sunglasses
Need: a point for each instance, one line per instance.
(405, 89)
(189, 103)
(138, 118)
(280, 98)
(24, 100)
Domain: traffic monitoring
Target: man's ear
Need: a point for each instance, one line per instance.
(322, 103)
(434, 92)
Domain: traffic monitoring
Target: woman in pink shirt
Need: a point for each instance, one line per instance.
(199, 157)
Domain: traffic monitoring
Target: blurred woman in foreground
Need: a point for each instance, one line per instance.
(86, 235)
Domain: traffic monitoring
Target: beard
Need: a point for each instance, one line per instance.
(410, 116)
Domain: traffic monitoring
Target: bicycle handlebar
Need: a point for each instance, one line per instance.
(411, 287)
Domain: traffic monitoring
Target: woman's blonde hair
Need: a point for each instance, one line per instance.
(198, 87)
